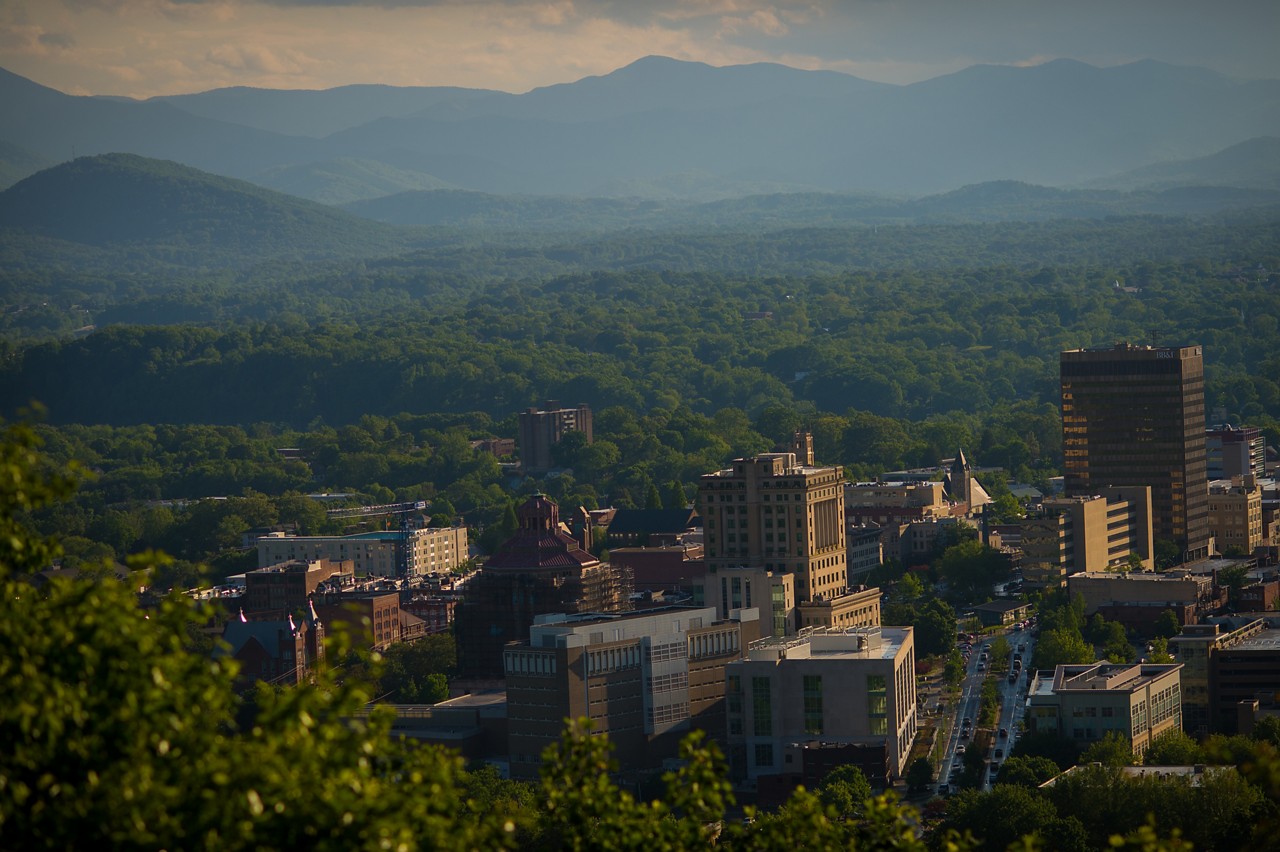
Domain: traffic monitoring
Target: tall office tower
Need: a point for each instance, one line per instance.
(1134, 415)
(775, 513)
(542, 429)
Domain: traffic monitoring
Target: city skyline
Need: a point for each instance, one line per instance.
(143, 48)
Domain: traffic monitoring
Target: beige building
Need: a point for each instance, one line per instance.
(1087, 534)
(1084, 703)
(887, 502)
(859, 608)
(738, 587)
(780, 515)
(413, 553)
(643, 679)
(1235, 514)
(851, 689)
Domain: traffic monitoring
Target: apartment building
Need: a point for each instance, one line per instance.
(422, 552)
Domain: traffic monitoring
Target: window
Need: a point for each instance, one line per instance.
(877, 705)
(764, 754)
(813, 704)
(762, 707)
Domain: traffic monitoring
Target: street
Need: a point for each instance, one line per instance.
(968, 706)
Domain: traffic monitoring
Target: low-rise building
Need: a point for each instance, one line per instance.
(676, 566)
(643, 679)
(1084, 703)
(373, 618)
(287, 587)
(864, 550)
(1002, 613)
(393, 553)
(859, 607)
(853, 690)
(277, 650)
(1136, 599)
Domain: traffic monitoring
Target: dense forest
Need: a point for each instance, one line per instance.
(173, 357)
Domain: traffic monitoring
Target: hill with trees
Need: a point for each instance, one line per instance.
(116, 200)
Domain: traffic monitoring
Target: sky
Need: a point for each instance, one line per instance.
(142, 48)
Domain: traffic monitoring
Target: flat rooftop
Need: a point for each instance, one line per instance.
(1109, 676)
(1264, 640)
(832, 643)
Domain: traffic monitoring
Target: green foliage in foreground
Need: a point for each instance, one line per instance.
(115, 730)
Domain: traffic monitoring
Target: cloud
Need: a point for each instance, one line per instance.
(762, 20)
(253, 58)
(64, 41)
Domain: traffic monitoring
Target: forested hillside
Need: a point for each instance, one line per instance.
(899, 344)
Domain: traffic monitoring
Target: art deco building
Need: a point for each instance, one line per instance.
(774, 515)
(1235, 514)
(774, 512)
(1134, 415)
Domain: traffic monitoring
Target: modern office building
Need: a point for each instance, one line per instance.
(644, 680)
(795, 701)
(773, 512)
(740, 586)
(541, 569)
(540, 429)
(1084, 703)
(1099, 532)
(1235, 451)
(1134, 415)
(422, 552)
(1223, 668)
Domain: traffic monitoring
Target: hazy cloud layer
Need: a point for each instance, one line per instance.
(147, 47)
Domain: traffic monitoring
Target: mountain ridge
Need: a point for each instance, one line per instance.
(1062, 123)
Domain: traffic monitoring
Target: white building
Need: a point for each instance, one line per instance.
(849, 691)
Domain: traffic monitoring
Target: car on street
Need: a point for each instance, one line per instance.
(1004, 733)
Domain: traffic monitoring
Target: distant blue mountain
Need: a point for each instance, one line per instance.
(646, 128)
